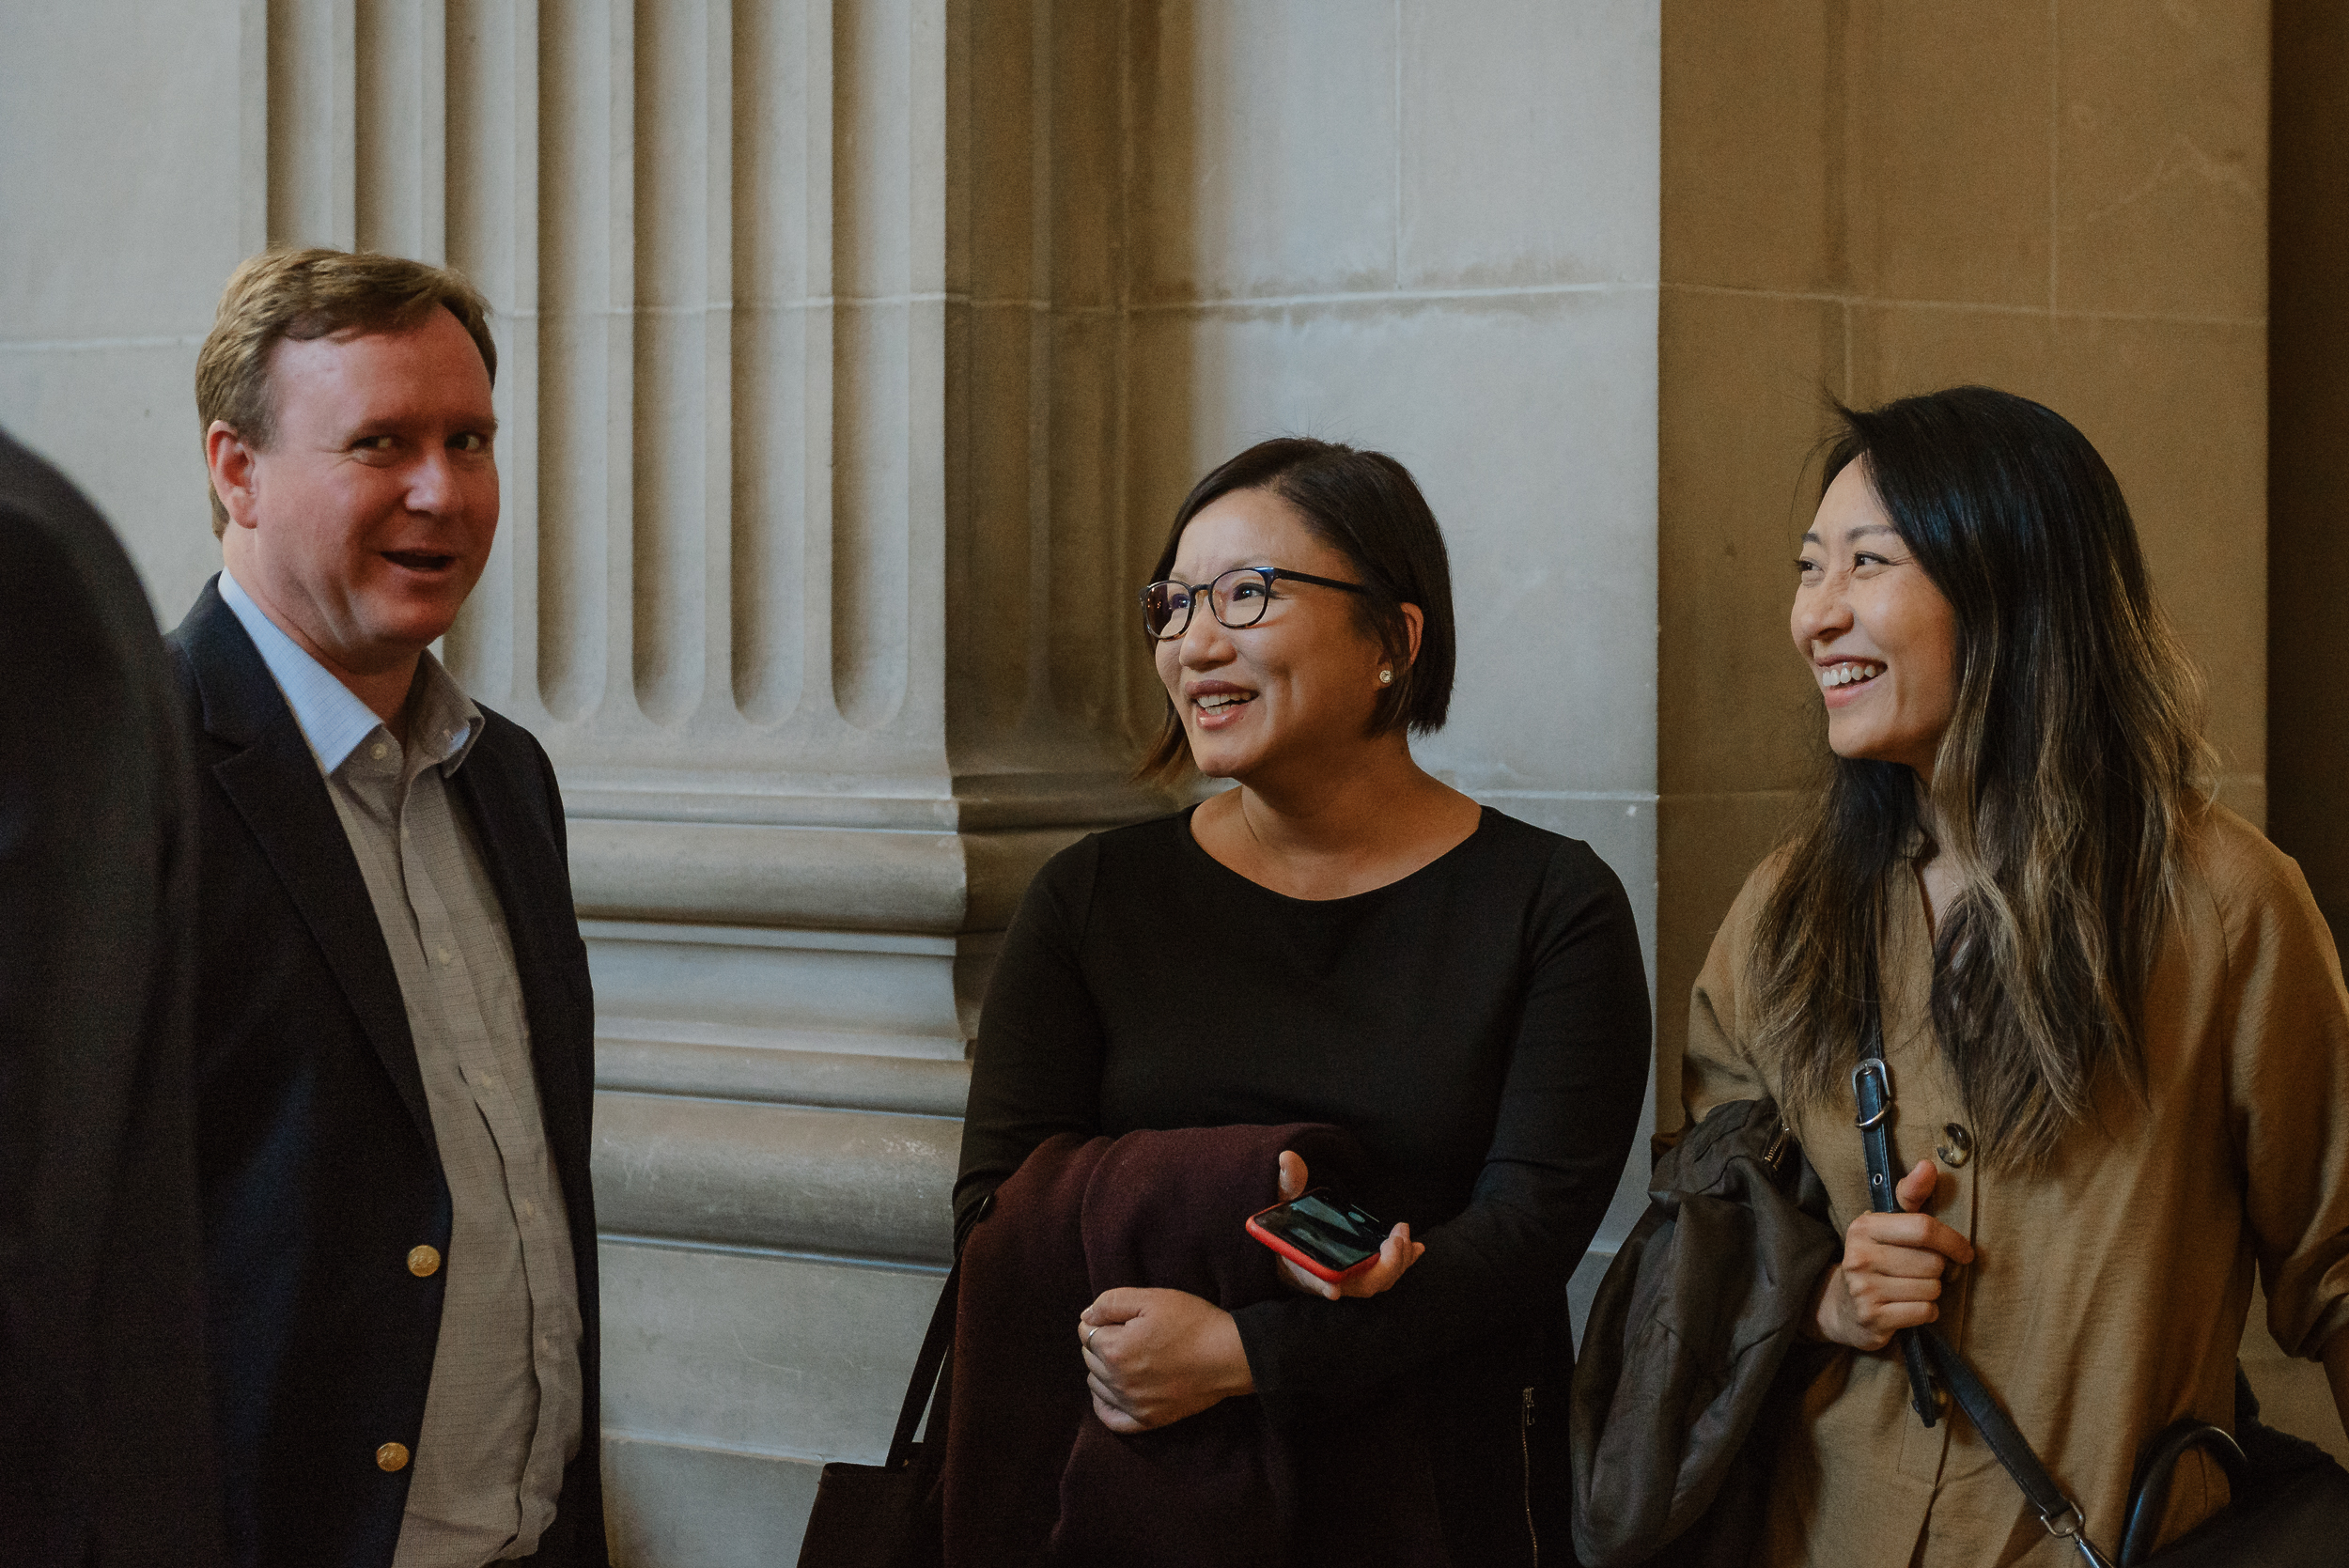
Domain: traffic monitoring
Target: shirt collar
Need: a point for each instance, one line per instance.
(443, 722)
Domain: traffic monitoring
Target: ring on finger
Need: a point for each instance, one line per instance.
(1094, 1330)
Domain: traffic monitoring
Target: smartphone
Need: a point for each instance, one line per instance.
(1321, 1233)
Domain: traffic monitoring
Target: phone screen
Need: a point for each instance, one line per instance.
(1325, 1228)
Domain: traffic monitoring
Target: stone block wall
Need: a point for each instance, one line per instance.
(853, 354)
(1863, 199)
(2065, 198)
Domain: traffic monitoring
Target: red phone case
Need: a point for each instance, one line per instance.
(1317, 1269)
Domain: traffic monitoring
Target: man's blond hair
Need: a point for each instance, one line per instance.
(306, 294)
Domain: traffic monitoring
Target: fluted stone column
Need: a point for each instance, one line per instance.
(812, 580)
(796, 589)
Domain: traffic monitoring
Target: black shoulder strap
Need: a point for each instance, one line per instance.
(2059, 1513)
(1925, 1349)
(1872, 1092)
(926, 1377)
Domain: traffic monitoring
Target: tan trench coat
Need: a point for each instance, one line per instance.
(2109, 1289)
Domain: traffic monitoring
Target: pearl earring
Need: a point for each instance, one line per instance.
(1386, 678)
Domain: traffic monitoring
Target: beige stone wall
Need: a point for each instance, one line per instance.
(2065, 198)
(1450, 256)
(130, 189)
(1863, 198)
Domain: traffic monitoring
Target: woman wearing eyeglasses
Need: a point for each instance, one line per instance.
(1341, 938)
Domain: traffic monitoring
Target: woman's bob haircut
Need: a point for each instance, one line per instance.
(1367, 507)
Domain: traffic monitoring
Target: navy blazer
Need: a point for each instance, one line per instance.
(318, 1166)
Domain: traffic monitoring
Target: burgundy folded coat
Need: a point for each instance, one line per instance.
(1033, 1476)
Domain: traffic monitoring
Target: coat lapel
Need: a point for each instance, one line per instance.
(273, 779)
(512, 825)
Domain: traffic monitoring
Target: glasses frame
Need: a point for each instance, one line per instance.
(1270, 574)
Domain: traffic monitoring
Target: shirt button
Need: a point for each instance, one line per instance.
(1957, 1146)
(530, 1210)
(379, 751)
(424, 1262)
(392, 1457)
(447, 957)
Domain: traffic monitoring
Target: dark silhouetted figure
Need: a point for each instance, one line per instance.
(105, 1430)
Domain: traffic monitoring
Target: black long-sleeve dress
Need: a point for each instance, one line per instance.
(1481, 1028)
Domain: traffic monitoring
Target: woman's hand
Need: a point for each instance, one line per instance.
(1153, 1356)
(1397, 1253)
(1891, 1276)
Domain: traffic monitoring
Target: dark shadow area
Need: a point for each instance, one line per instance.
(2308, 435)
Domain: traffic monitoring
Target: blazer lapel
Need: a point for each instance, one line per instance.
(520, 853)
(273, 779)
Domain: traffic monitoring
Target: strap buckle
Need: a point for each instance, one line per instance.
(2069, 1526)
(1881, 1070)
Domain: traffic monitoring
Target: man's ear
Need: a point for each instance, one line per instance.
(230, 461)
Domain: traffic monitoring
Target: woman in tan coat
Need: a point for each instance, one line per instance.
(2114, 1017)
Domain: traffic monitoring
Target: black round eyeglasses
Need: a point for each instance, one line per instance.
(1237, 599)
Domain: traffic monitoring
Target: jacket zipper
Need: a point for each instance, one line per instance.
(1525, 1454)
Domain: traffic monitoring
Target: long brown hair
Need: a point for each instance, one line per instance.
(2062, 792)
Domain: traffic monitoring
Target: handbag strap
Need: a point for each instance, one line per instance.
(1871, 1092)
(2148, 1496)
(926, 1374)
(2059, 1513)
(1927, 1352)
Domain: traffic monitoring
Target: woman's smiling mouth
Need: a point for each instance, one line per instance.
(1220, 705)
(1844, 681)
(1849, 672)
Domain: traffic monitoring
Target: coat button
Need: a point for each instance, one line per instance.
(422, 1262)
(392, 1457)
(1957, 1146)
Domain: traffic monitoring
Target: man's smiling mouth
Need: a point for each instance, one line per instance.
(419, 560)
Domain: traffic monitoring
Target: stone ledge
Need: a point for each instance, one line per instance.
(838, 1079)
(890, 994)
(835, 879)
(848, 1183)
(1078, 795)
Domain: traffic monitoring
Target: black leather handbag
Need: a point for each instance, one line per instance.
(2290, 1504)
(1694, 1343)
(892, 1514)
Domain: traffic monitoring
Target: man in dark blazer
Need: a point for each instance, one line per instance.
(105, 1427)
(393, 1023)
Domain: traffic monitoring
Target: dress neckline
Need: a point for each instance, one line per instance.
(1484, 816)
